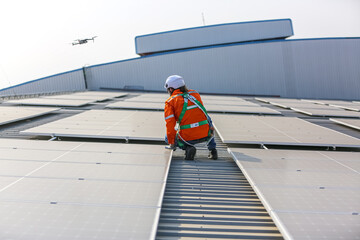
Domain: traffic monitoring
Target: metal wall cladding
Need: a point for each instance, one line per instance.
(242, 69)
(313, 68)
(324, 69)
(317, 68)
(213, 35)
(64, 82)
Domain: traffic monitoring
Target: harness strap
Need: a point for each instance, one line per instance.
(183, 111)
(193, 125)
(198, 104)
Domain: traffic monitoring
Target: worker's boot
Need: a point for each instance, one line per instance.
(190, 152)
(213, 154)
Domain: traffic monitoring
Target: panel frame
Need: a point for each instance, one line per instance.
(125, 136)
(343, 122)
(303, 144)
(136, 105)
(256, 187)
(74, 146)
(50, 110)
(50, 102)
(330, 113)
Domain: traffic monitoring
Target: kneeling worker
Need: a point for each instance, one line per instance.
(187, 121)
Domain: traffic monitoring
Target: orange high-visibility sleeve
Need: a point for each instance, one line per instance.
(170, 123)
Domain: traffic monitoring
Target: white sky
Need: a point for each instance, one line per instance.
(36, 35)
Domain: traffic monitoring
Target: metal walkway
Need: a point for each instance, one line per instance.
(211, 199)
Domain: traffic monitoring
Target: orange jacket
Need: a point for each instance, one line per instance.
(173, 107)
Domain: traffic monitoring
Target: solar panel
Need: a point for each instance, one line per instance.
(321, 226)
(307, 178)
(352, 123)
(328, 112)
(95, 96)
(207, 100)
(155, 95)
(304, 105)
(103, 172)
(240, 109)
(326, 102)
(113, 124)
(137, 105)
(157, 98)
(221, 98)
(237, 102)
(278, 131)
(101, 94)
(75, 97)
(291, 103)
(353, 106)
(13, 114)
(22, 220)
(212, 108)
(279, 100)
(348, 106)
(298, 185)
(314, 108)
(66, 194)
(51, 102)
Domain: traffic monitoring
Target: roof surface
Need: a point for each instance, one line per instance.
(114, 187)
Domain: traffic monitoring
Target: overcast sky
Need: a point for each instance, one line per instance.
(36, 35)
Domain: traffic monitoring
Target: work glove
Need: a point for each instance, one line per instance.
(171, 147)
(212, 130)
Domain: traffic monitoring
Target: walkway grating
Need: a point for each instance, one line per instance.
(208, 199)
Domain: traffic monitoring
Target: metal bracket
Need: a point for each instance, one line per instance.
(264, 147)
(53, 137)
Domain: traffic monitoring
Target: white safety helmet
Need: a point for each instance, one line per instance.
(174, 81)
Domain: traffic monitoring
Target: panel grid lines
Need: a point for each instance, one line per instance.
(278, 131)
(305, 199)
(113, 124)
(37, 169)
(93, 184)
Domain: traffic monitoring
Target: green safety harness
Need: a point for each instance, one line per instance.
(187, 97)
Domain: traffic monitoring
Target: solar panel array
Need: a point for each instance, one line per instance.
(68, 100)
(311, 194)
(137, 105)
(352, 123)
(96, 96)
(51, 102)
(320, 108)
(213, 104)
(278, 131)
(114, 191)
(58, 190)
(127, 124)
(13, 114)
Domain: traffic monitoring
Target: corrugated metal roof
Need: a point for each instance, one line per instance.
(207, 199)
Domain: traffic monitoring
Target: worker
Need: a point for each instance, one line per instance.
(187, 122)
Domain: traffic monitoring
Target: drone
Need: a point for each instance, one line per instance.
(83, 41)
